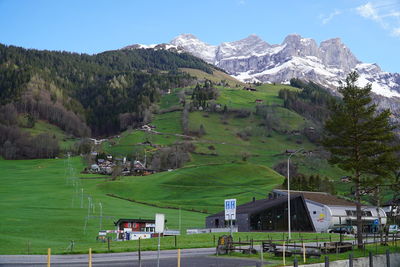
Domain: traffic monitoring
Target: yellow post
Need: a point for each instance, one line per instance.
(284, 260)
(179, 257)
(48, 257)
(90, 257)
(304, 252)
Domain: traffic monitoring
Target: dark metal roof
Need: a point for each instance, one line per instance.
(321, 197)
(135, 221)
(392, 202)
(259, 205)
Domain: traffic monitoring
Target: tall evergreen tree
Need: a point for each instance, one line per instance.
(360, 139)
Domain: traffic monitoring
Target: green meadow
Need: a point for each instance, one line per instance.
(41, 199)
(40, 204)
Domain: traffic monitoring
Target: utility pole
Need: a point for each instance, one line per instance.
(288, 192)
(180, 219)
(101, 214)
(81, 198)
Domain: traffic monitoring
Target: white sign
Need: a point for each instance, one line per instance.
(230, 209)
(160, 219)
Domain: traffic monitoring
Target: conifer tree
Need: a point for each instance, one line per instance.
(360, 139)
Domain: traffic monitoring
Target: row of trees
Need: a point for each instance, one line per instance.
(311, 183)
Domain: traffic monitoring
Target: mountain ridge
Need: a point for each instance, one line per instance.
(252, 59)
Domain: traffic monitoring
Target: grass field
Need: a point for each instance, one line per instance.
(201, 188)
(238, 98)
(40, 206)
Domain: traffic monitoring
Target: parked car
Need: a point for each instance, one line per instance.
(349, 229)
(394, 229)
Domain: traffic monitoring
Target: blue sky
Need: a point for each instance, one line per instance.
(371, 29)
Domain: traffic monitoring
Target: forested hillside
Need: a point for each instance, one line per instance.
(82, 94)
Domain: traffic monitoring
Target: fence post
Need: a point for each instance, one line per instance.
(295, 263)
(304, 253)
(48, 257)
(284, 260)
(90, 257)
(387, 258)
(179, 257)
(175, 240)
(262, 255)
(139, 254)
(351, 260)
(108, 243)
(326, 261)
(371, 260)
(214, 240)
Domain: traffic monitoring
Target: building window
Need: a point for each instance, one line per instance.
(364, 213)
(314, 212)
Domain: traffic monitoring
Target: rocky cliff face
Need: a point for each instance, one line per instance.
(252, 59)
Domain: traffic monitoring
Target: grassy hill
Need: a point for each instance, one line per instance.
(217, 76)
(201, 188)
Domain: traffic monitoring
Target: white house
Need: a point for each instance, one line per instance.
(327, 211)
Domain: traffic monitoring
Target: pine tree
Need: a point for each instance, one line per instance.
(360, 139)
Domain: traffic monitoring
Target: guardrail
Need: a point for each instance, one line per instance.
(210, 230)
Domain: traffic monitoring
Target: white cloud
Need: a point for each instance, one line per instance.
(327, 19)
(386, 14)
(396, 32)
(241, 2)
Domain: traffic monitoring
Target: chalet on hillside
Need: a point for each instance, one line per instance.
(249, 89)
(259, 101)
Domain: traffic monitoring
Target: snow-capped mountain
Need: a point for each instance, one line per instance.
(253, 59)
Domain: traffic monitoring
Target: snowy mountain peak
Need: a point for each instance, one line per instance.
(292, 38)
(185, 36)
(193, 45)
(335, 54)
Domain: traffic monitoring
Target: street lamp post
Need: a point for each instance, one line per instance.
(288, 190)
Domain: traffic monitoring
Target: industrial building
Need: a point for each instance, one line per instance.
(310, 212)
(327, 211)
(267, 215)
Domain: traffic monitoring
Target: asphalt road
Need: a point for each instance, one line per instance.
(168, 258)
